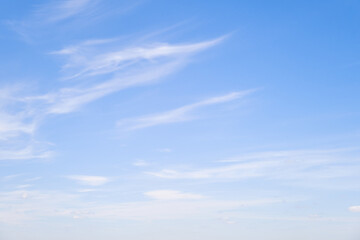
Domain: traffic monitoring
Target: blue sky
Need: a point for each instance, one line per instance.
(179, 120)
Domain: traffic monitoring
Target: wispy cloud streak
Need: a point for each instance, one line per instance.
(21, 115)
(68, 100)
(90, 180)
(25, 205)
(289, 165)
(180, 114)
(18, 124)
(172, 195)
(14, 119)
(354, 208)
(142, 69)
(61, 17)
(29, 152)
(61, 10)
(84, 60)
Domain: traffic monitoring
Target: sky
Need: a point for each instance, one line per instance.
(198, 120)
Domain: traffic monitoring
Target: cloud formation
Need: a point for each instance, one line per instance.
(89, 180)
(354, 208)
(172, 195)
(55, 11)
(25, 205)
(85, 61)
(114, 76)
(290, 165)
(29, 152)
(180, 114)
(14, 122)
(140, 163)
(18, 123)
(115, 68)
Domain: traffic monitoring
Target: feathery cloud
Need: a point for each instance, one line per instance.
(290, 165)
(89, 180)
(139, 68)
(71, 99)
(50, 14)
(18, 124)
(99, 58)
(30, 205)
(164, 150)
(140, 163)
(354, 208)
(29, 152)
(172, 195)
(60, 10)
(85, 60)
(180, 114)
(15, 118)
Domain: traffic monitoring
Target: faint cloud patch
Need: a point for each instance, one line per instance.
(354, 208)
(90, 180)
(140, 163)
(165, 150)
(181, 114)
(172, 195)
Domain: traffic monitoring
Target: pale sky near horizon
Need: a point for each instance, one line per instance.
(197, 120)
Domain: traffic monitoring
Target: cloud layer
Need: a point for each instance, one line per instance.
(35, 205)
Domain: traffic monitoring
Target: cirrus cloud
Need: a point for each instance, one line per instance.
(89, 180)
(172, 195)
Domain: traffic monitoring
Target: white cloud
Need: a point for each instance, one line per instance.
(24, 205)
(21, 114)
(24, 186)
(55, 11)
(85, 59)
(180, 114)
(172, 195)
(33, 179)
(90, 180)
(165, 150)
(18, 124)
(29, 152)
(87, 190)
(63, 15)
(227, 220)
(117, 69)
(19, 206)
(289, 155)
(71, 99)
(354, 208)
(15, 118)
(11, 177)
(231, 171)
(14, 125)
(140, 163)
(44, 19)
(310, 218)
(297, 165)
